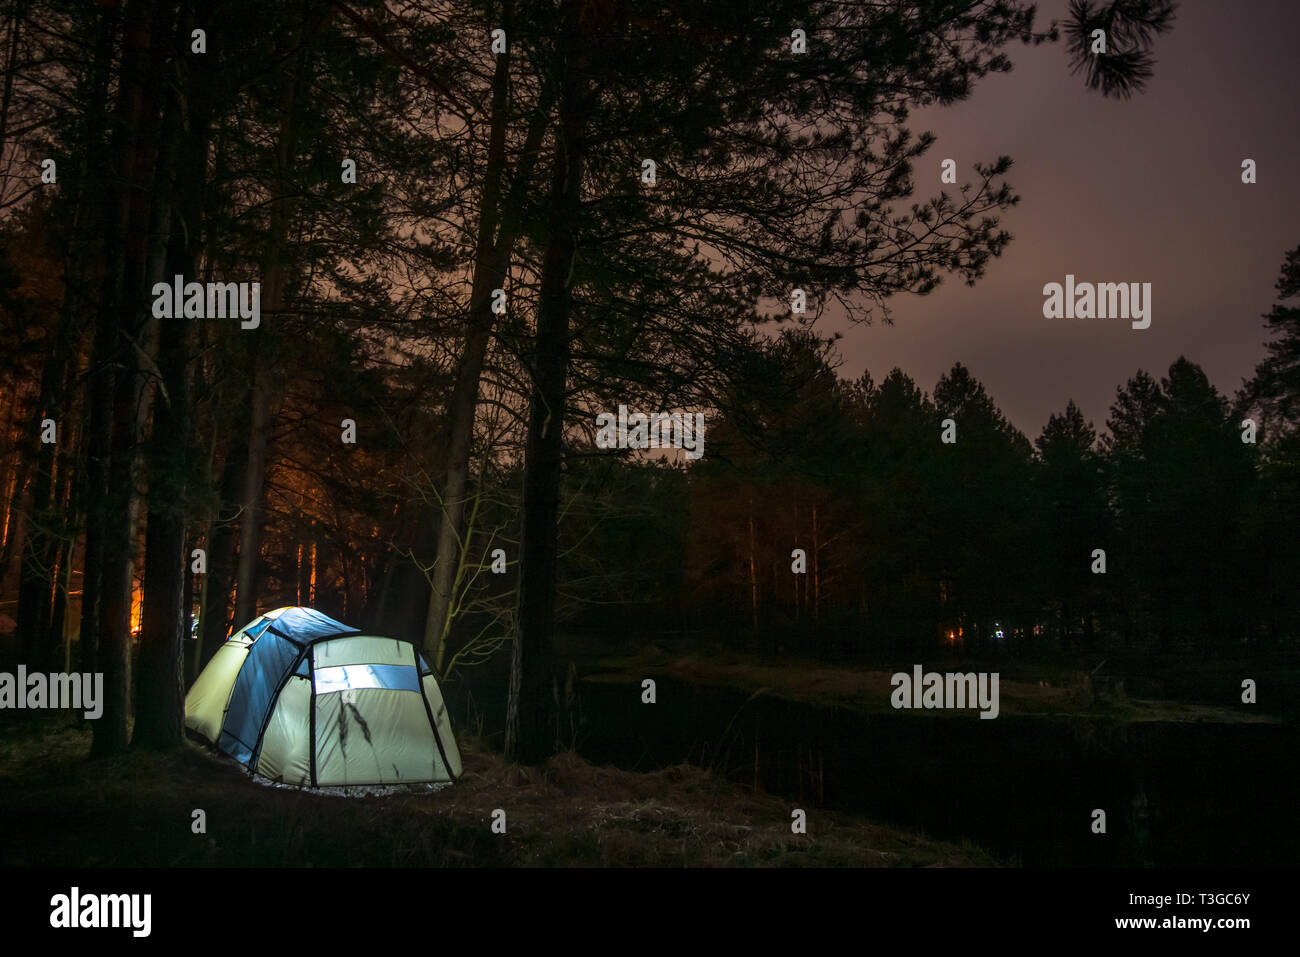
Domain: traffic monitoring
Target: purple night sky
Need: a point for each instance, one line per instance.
(1141, 190)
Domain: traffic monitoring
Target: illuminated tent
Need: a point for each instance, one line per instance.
(300, 698)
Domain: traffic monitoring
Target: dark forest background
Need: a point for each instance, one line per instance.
(523, 171)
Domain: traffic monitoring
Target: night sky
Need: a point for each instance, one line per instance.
(1141, 190)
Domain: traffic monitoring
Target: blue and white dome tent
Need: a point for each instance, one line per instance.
(302, 699)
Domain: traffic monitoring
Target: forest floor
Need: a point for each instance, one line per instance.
(59, 808)
(1207, 691)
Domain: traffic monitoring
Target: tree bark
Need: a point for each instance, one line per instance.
(18, 492)
(532, 715)
(18, 13)
(44, 532)
(262, 340)
(160, 708)
(126, 337)
(250, 518)
(753, 572)
(463, 405)
(498, 230)
(93, 452)
(40, 541)
(215, 617)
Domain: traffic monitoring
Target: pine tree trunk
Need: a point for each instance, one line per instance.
(261, 341)
(40, 542)
(14, 502)
(817, 569)
(250, 518)
(753, 571)
(126, 337)
(463, 405)
(160, 708)
(498, 230)
(532, 719)
(18, 13)
(215, 618)
(92, 453)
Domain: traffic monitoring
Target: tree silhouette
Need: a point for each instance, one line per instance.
(1130, 28)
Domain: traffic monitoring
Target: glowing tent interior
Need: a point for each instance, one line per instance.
(302, 699)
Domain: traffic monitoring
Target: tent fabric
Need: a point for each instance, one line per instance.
(205, 705)
(363, 650)
(374, 735)
(305, 625)
(286, 744)
(306, 700)
(442, 725)
(269, 659)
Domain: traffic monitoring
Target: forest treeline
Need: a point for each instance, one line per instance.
(1163, 532)
(473, 226)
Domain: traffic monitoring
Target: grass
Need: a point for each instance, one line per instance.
(62, 809)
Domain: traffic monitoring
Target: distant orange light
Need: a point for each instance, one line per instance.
(137, 610)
